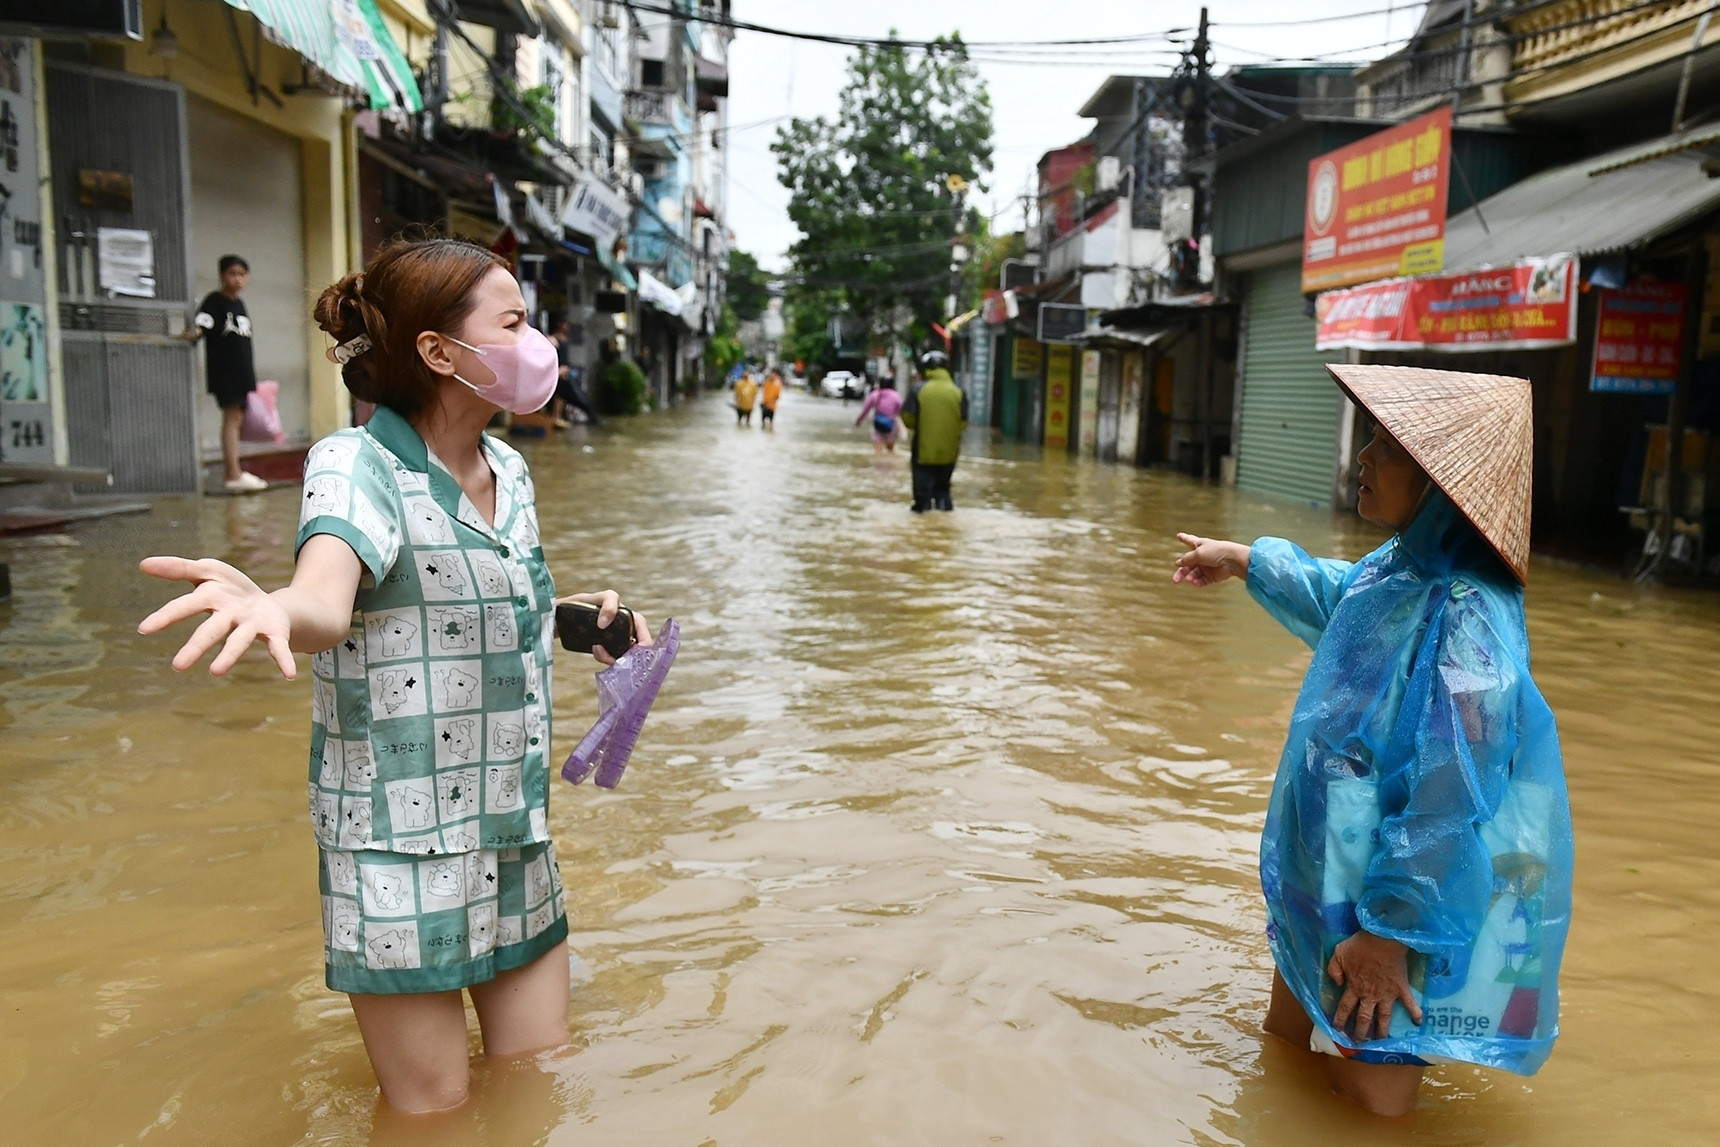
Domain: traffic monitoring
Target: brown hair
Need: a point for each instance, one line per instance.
(411, 286)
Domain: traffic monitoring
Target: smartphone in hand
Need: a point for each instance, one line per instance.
(576, 625)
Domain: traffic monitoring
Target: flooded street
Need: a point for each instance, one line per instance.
(944, 830)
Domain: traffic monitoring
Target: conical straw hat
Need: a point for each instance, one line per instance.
(1472, 433)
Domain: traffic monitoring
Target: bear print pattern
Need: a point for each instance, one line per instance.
(456, 688)
(342, 924)
(395, 948)
(412, 805)
(389, 891)
(444, 881)
(453, 630)
(395, 635)
(326, 495)
(383, 913)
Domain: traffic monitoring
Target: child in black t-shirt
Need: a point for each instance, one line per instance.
(223, 323)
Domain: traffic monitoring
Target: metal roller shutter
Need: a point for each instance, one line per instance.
(1290, 406)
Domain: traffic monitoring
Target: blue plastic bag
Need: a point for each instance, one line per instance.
(1421, 794)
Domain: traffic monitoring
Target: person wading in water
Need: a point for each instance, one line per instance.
(1417, 856)
(422, 590)
(937, 413)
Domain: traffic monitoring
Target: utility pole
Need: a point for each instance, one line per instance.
(1195, 131)
(438, 93)
(958, 188)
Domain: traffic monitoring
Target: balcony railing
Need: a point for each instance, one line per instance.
(1422, 78)
(1571, 30)
(648, 107)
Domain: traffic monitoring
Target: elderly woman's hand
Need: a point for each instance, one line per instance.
(1209, 561)
(1374, 973)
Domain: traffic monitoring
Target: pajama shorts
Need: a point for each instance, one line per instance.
(398, 923)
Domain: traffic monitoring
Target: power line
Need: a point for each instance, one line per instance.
(1513, 74)
(1393, 10)
(937, 45)
(1476, 21)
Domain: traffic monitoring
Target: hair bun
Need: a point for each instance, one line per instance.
(339, 310)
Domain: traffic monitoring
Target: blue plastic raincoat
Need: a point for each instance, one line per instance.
(1421, 794)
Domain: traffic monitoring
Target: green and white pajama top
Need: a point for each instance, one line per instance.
(430, 722)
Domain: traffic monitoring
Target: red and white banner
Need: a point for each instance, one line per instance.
(1522, 307)
(1639, 339)
(1377, 207)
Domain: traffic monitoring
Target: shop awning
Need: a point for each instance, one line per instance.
(682, 302)
(347, 41)
(1125, 339)
(1604, 204)
(617, 270)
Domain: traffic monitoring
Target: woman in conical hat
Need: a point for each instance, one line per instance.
(1416, 860)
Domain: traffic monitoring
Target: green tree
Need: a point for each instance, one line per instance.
(871, 191)
(725, 350)
(747, 288)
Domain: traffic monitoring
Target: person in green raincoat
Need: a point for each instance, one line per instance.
(937, 412)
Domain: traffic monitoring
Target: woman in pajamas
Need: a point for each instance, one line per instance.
(422, 591)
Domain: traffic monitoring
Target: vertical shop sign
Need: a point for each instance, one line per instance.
(1376, 209)
(1639, 339)
(979, 368)
(26, 411)
(1089, 410)
(1059, 363)
(1029, 358)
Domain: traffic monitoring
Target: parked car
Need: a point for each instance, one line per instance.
(841, 384)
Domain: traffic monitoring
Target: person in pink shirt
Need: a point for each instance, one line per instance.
(885, 407)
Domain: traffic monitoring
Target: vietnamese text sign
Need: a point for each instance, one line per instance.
(27, 431)
(1531, 304)
(1376, 209)
(593, 209)
(1639, 339)
(979, 374)
(1058, 377)
(1029, 358)
(1059, 322)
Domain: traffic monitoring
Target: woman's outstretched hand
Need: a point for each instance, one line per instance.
(608, 603)
(1210, 561)
(239, 613)
(1374, 973)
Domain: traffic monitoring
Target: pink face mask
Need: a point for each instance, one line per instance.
(525, 372)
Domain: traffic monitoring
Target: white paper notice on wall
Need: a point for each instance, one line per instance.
(127, 259)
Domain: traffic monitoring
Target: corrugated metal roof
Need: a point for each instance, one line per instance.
(1117, 336)
(1601, 204)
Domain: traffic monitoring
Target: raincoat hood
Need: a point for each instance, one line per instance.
(1439, 541)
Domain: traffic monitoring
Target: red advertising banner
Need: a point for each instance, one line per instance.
(1376, 209)
(1639, 339)
(1529, 305)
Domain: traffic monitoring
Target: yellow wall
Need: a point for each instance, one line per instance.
(208, 66)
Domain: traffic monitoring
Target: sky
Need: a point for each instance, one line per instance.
(1033, 104)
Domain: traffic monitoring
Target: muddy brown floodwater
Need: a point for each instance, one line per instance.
(944, 830)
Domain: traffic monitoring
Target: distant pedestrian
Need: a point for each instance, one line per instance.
(229, 366)
(884, 406)
(937, 413)
(746, 394)
(769, 397)
(568, 391)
